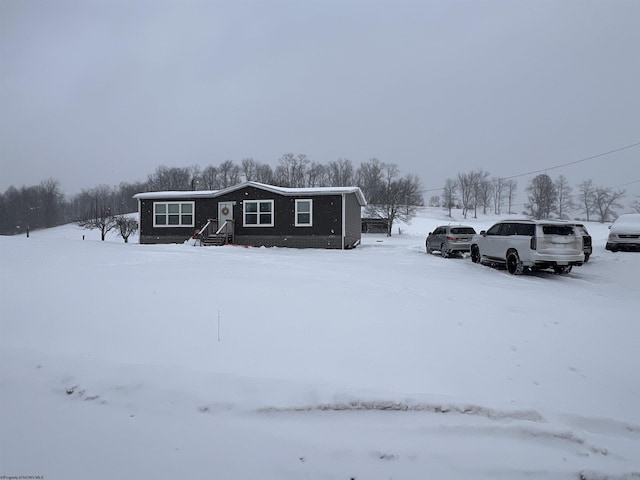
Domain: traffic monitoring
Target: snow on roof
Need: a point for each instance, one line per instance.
(279, 190)
(177, 194)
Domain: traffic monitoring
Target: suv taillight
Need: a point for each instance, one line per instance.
(533, 243)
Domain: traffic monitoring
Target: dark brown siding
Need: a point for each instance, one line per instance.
(326, 231)
(150, 234)
(353, 221)
(327, 219)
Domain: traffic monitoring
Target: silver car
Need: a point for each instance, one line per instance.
(624, 233)
(450, 240)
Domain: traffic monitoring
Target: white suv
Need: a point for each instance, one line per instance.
(530, 244)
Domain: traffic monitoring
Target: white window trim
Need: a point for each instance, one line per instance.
(179, 225)
(310, 201)
(244, 214)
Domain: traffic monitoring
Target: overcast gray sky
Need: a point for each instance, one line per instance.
(98, 92)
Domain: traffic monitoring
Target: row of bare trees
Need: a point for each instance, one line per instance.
(601, 201)
(294, 171)
(476, 189)
(545, 197)
(37, 206)
(389, 194)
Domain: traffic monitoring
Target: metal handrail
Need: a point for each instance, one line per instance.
(206, 225)
(223, 227)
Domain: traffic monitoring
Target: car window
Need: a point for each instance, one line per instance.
(494, 230)
(463, 231)
(525, 229)
(437, 231)
(508, 229)
(557, 230)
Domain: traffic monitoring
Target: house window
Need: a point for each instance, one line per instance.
(173, 214)
(304, 213)
(258, 213)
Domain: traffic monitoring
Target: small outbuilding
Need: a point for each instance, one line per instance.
(375, 225)
(254, 214)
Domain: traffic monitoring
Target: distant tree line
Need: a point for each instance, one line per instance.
(45, 206)
(470, 191)
(546, 198)
(389, 194)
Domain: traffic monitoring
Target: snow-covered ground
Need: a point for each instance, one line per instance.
(174, 361)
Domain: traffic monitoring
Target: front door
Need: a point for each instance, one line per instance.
(225, 212)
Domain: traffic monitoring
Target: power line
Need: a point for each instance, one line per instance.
(628, 183)
(574, 162)
(562, 165)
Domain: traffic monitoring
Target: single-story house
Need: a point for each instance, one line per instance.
(254, 214)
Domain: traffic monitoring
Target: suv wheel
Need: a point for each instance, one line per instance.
(475, 254)
(514, 265)
(562, 269)
(586, 257)
(443, 252)
(429, 249)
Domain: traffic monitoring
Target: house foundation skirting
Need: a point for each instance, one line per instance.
(150, 239)
(295, 241)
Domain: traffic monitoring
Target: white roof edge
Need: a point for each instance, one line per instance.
(263, 186)
(177, 194)
(307, 190)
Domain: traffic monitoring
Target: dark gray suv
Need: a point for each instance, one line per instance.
(450, 239)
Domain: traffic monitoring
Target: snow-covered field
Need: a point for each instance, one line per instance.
(173, 361)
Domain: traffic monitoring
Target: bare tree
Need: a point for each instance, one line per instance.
(317, 175)
(605, 200)
(195, 174)
(291, 171)
(499, 186)
(635, 205)
(123, 196)
(465, 185)
(483, 191)
(412, 189)
(126, 226)
(399, 199)
(100, 218)
(450, 189)
(228, 174)
(563, 190)
(587, 192)
(249, 169)
(209, 178)
(434, 201)
(98, 206)
(542, 196)
(370, 179)
(165, 178)
(341, 173)
(52, 201)
(264, 173)
(511, 186)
